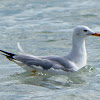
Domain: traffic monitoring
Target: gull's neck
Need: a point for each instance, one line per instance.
(78, 53)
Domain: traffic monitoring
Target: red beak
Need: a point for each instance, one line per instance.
(96, 34)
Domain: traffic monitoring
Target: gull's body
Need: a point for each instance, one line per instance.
(75, 60)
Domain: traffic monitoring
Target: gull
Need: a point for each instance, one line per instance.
(75, 60)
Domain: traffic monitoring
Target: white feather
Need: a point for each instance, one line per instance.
(19, 47)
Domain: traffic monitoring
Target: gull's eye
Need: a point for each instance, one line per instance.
(85, 30)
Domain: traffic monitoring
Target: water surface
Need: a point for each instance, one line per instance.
(44, 27)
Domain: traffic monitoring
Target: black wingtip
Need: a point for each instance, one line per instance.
(7, 54)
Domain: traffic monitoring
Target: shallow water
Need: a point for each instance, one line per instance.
(44, 27)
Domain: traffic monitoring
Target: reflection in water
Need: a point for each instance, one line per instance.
(54, 82)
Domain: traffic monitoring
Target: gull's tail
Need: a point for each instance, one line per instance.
(19, 47)
(7, 54)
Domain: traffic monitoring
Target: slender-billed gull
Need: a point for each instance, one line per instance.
(74, 61)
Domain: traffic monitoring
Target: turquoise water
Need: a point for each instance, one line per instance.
(44, 27)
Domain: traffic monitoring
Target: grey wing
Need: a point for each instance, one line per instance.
(62, 63)
(59, 63)
(34, 61)
(44, 63)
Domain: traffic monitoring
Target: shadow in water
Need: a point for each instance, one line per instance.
(57, 81)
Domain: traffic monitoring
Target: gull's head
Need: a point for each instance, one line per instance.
(83, 32)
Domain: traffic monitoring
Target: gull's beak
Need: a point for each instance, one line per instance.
(96, 34)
